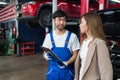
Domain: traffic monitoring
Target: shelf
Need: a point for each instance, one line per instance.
(27, 48)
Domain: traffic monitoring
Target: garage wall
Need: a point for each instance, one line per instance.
(27, 34)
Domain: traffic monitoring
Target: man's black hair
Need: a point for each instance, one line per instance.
(59, 13)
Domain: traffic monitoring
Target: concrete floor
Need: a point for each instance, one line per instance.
(29, 67)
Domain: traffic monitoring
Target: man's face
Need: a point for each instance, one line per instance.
(60, 22)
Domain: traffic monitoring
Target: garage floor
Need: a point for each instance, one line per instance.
(29, 67)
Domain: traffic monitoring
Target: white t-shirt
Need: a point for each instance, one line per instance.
(83, 54)
(60, 41)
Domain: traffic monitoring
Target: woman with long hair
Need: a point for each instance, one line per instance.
(93, 60)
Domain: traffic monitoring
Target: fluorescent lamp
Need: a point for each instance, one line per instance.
(3, 3)
(118, 1)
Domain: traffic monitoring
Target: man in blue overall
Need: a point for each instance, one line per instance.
(65, 45)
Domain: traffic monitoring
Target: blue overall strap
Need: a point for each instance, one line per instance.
(67, 39)
(52, 40)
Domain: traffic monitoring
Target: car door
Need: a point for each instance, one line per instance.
(71, 7)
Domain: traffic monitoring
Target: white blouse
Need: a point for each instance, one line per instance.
(83, 54)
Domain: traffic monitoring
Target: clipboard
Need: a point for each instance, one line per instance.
(53, 55)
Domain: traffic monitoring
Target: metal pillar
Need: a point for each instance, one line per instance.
(17, 33)
(54, 8)
(106, 4)
(84, 6)
(84, 9)
(101, 4)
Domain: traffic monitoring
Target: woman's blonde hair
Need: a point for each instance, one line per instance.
(94, 20)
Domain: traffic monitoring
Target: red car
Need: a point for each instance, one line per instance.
(39, 11)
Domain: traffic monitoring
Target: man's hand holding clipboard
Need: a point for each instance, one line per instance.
(57, 59)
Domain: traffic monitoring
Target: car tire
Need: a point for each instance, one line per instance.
(45, 18)
(31, 24)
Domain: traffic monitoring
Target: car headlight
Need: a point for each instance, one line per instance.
(31, 2)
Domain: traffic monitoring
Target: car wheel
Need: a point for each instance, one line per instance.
(31, 24)
(45, 18)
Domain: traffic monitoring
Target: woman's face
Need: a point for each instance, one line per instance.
(83, 26)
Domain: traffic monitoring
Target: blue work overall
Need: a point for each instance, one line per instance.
(54, 71)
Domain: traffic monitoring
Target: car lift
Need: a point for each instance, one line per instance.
(84, 8)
